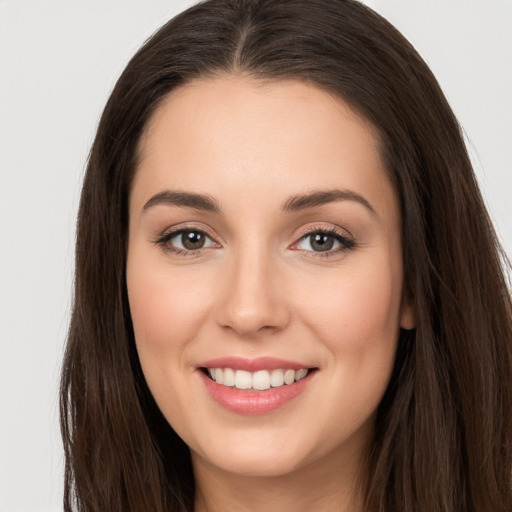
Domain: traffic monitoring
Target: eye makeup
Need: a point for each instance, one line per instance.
(186, 241)
(315, 241)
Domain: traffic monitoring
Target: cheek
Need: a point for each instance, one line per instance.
(358, 322)
(357, 311)
(165, 307)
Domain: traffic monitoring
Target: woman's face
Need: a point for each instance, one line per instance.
(265, 249)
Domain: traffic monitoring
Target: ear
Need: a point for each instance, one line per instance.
(407, 313)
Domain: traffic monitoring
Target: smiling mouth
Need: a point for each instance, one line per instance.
(256, 381)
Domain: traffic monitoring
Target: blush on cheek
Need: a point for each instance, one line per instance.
(357, 311)
(376, 299)
(152, 317)
(164, 308)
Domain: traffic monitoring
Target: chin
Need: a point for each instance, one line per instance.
(255, 463)
(261, 453)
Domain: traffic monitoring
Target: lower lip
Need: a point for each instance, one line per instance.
(254, 402)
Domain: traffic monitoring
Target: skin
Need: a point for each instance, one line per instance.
(257, 288)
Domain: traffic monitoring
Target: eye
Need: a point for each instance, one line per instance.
(324, 242)
(191, 240)
(186, 240)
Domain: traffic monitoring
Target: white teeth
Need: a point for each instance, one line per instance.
(243, 380)
(276, 378)
(300, 374)
(260, 380)
(289, 376)
(219, 375)
(229, 377)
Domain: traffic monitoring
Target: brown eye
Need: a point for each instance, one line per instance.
(192, 240)
(321, 242)
(324, 242)
(184, 240)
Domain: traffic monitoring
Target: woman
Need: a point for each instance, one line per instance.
(288, 294)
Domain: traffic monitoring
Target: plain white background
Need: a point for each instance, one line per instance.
(58, 62)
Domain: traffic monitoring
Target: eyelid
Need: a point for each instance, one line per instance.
(344, 238)
(322, 228)
(188, 226)
(167, 234)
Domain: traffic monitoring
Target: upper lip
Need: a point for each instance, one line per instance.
(252, 365)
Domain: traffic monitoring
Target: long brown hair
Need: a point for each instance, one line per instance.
(443, 439)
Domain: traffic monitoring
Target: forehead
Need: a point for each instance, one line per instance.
(274, 137)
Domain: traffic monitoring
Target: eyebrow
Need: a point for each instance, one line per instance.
(177, 198)
(293, 204)
(322, 197)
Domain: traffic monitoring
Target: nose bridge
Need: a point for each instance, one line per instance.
(252, 299)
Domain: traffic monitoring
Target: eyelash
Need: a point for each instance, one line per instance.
(164, 241)
(346, 243)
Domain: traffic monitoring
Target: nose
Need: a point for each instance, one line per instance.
(253, 299)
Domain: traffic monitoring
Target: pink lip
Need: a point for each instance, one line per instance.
(252, 365)
(254, 402)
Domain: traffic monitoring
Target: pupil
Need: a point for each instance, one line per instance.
(192, 240)
(321, 242)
